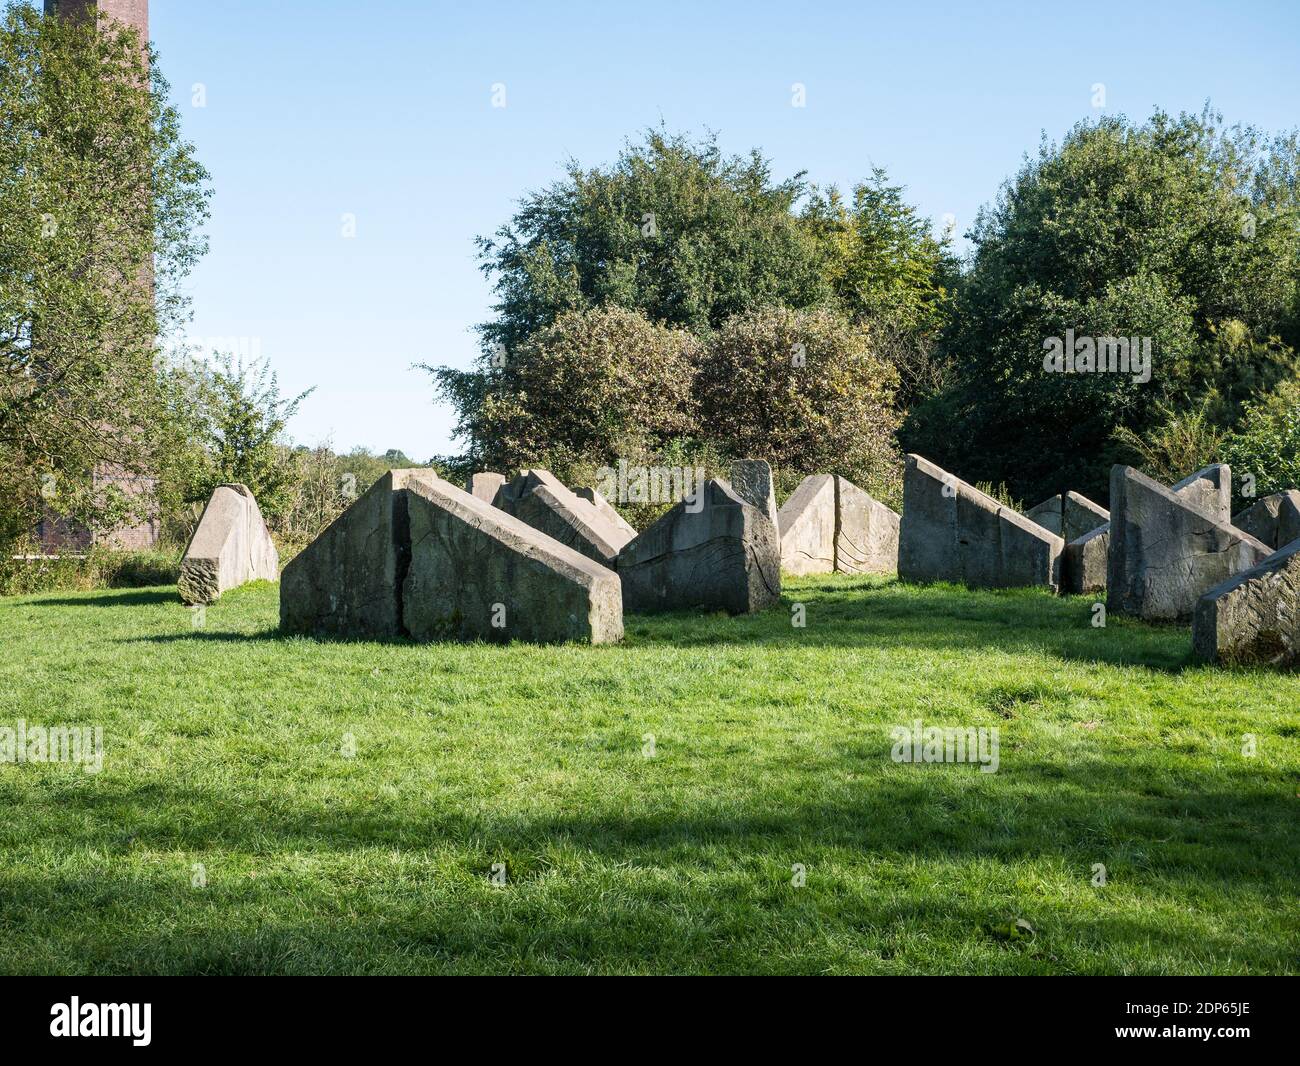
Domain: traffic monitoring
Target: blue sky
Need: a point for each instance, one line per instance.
(382, 110)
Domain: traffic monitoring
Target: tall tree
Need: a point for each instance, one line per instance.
(101, 204)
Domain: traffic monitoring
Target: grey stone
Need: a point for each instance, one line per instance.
(484, 485)
(1069, 515)
(950, 531)
(866, 532)
(347, 581)
(476, 572)
(415, 556)
(540, 499)
(606, 508)
(807, 526)
(713, 551)
(751, 480)
(1275, 519)
(1165, 552)
(231, 546)
(1253, 617)
(1084, 561)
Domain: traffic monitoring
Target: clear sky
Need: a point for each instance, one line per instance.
(382, 110)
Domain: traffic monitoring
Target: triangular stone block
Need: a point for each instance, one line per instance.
(1164, 552)
(950, 531)
(1253, 617)
(593, 497)
(712, 550)
(751, 480)
(485, 485)
(1069, 515)
(1275, 519)
(1084, 561)
(231, 546)
(539, 498)
(417, 557)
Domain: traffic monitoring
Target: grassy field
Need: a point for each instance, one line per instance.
(281, 805)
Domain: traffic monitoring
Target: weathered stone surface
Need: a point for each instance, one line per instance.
(807, 526)
(347, 581)
(476, 572)
(1253, 617)
(1069, 515)
(1275, 519)
(1084, 561)
(484, 485)
(230, 547)
(540, 499)
(715, 551)
(1165, 552)
(950, 531)
(866, 532)
(606, 508)
(751, 480)
(418, 557)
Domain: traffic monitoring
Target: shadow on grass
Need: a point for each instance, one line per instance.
(111, 598)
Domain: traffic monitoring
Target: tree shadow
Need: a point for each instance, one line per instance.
(110, 598)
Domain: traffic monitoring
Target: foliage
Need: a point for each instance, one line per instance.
(578, 390)
(1177, 230)
(804, 390)
(101, 202)
(1266, 442)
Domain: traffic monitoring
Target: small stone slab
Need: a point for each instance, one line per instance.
(1069, 515)
(1165, 552)
(484, 485)
(1253, 617)
(950, 531)
(540, 499)
(1084, 561)
(713, 551)
(231, 546)
(866, 532)
(807, 525)
(1275, 519)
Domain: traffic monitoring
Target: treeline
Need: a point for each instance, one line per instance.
(679, 302)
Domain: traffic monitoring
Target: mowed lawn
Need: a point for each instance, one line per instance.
(271, 805)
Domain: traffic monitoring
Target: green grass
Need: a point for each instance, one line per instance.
(224, 747)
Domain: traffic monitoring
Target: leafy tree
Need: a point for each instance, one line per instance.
(579, 389)
(101, 201)
(242, 426)
(1266, 442)
(1176, 230)
(805, 390)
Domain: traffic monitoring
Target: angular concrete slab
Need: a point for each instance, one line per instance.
(540, 499)
(1084, 561)
(1165, 552)
(417, 557)
(346, 582)
(230, 547)
(477, 573)
(1275, 519)
(606, 508)
(1253, 617)
(751, 480)
(950, 531)
(866, 532)
(484, 485)
(1069, 515)
(714, 551)
(807, 526)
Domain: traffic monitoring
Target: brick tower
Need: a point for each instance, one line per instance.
(54, 534)
(134, 13)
